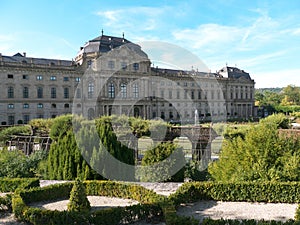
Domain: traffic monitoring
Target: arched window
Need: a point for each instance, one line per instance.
(10, 92)
(25, 92)
(135, 91)
(91, 88)
(111, 90)
(91, 113)
(123, 90)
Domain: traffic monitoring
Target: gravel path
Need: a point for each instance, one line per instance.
(238, 210)
(198, 210)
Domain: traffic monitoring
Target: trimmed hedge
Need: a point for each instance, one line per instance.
(285, 192)
(297, 216)
(148, 210)
(11, 184)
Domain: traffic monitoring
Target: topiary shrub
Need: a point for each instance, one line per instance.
(78, 200)
(297, 216)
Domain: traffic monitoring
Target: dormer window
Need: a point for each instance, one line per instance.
(123, 65)
(111, 64)
(89, 63)
(136, 66)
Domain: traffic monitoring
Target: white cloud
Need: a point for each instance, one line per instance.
(141, 18)
(257, 60)
(280, 78)
(207, 35)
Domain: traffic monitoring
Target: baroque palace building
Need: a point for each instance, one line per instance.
(111, 75)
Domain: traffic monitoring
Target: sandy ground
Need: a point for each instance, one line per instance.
(198, 210)
(238, 210)
(97, 202)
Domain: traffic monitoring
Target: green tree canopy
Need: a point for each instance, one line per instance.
(263, 155)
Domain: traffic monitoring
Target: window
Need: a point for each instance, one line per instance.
(53, 92)
(192, 94)
(162, 115)
(78, 93)
(123, 65)
(123, 90)
(25, 77)
(199, 94)
(162, 93)
(10, 92)
(25, 106)
(171, 115)
(90, 90)
(89, 63)
(39, 77)
(25, 92)
(26, 119)
(111, 64)
(11, 120)
(136, 66)
(67, 106)
(40, 92)
(40, 105)
(77, 79)
(40, 116)
(66, 92)
(111, 90)
(170, 94)
(135, 91)
(53, 106)
(185, 94)
(10, 106)
(66, 78)
(178, 94)
(185, 84)
(10, 76)
(53, 78)
(212, 94)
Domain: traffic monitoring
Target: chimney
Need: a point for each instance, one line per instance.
(24, 54)
(1, 59)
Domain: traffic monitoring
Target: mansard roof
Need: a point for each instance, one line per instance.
(21, 58)
(233, 72)
(104, 43)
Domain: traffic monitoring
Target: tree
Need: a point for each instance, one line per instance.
(166, 169)
(78, 200)
(264, 155)
(65, 160)
(291, 95)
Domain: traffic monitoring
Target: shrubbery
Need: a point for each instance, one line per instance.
(78, 200)
(6, 133)
(163, 159)
(283, 192)
(15, 163)
(148, 209)
(262, 155)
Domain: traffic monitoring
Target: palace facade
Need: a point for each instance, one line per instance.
(111, 75)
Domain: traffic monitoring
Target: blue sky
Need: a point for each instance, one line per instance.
(260, 37)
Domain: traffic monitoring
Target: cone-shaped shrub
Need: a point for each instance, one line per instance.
(78, 200)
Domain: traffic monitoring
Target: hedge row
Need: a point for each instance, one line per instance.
(152, 205)
(11, 184)
(297, 216)
(149, 208)
(286, 192)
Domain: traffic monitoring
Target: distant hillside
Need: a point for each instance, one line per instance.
(262, 90)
